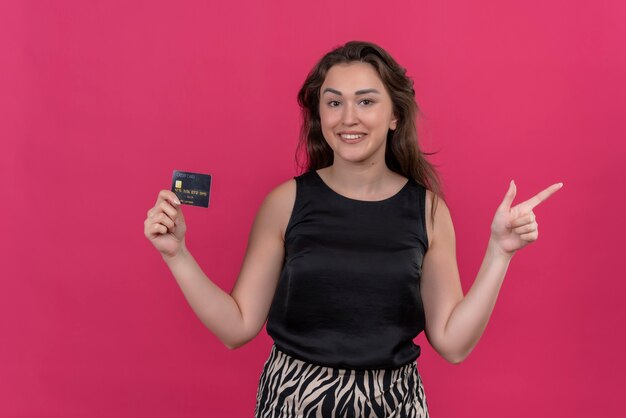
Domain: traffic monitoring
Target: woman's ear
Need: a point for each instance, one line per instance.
(394, 124)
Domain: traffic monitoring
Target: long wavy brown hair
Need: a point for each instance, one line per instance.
(402, 153)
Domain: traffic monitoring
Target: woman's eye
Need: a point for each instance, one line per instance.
(335, 103)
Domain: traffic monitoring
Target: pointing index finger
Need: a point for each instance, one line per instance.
(540, 197)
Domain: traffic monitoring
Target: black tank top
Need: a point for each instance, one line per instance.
(349, 291)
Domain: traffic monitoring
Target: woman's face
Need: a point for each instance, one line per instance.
(356, 113)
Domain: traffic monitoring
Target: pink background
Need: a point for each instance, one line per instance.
(101, 100)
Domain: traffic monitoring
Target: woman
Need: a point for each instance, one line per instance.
(351, 260)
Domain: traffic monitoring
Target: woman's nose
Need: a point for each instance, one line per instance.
(349, 115)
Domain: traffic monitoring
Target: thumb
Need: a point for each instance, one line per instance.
(508, 197)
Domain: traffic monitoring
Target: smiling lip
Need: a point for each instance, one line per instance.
(351, 136)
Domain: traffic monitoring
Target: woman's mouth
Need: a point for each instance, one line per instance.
(351, 138)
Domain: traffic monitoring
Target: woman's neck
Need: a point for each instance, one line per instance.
(361, 181)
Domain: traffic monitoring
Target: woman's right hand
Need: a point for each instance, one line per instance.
(165, 225)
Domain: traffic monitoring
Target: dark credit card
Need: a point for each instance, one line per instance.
(192, 188)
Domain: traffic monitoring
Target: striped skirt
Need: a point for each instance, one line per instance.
(290, 388)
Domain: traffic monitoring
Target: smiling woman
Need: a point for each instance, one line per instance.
(351, 260)
(361, 115)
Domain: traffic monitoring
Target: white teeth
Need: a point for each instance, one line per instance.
(349, 136)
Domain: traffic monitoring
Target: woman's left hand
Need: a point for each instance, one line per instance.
(515, 227)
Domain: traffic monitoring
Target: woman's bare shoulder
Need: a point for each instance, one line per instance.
(441, 213)
(284, 194)
(279, 203)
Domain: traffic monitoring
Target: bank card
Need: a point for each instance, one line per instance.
(192, 188)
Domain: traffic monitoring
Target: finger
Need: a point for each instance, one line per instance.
(167, 208)
(159, 229)
(509, 196)
(168, 195)
(540, 197)
(154, 229)
(530, 236)
(524, 229)
(165, 220)
(522, 220)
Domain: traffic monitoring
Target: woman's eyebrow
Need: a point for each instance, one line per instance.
(358, 92)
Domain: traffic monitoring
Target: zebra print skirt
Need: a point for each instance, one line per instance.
(290, 388)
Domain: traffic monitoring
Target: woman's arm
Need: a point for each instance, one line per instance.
(238, 317)
(455, 323)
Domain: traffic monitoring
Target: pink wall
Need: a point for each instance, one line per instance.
(100, 101)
